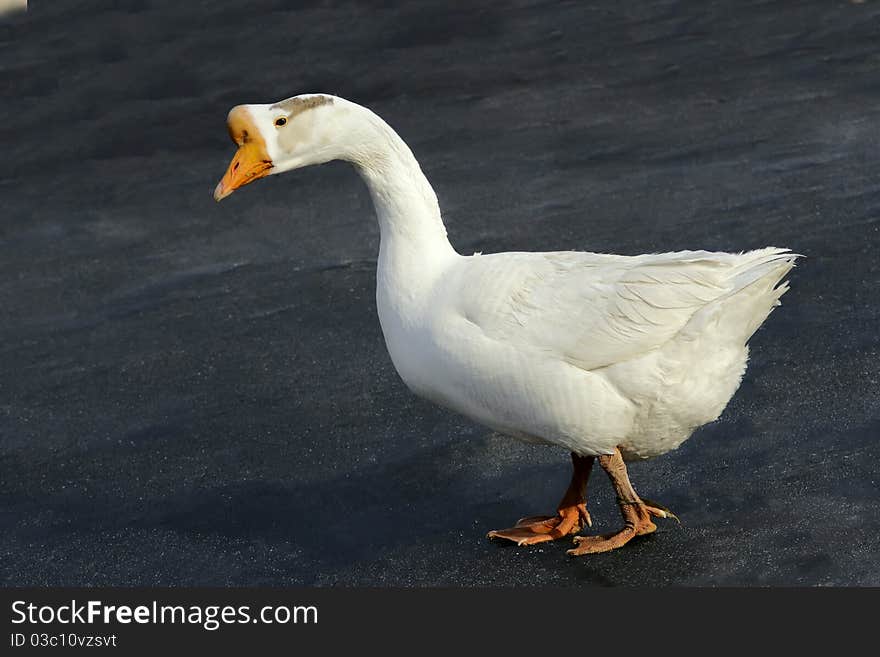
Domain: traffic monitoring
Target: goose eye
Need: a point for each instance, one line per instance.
(280, 121)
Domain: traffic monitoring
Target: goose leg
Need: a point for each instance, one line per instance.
(636, 511)
(571, 515)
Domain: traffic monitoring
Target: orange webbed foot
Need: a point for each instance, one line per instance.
(637, 517)
(539, 529)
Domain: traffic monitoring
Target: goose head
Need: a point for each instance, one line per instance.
(278, 137)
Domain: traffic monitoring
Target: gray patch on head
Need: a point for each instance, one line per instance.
(298, 104)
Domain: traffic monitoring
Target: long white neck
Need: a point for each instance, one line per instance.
(411, 229)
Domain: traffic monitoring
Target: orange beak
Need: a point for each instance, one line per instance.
(250, 161)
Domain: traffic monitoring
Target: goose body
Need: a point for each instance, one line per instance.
(608, 356)
(583, 350)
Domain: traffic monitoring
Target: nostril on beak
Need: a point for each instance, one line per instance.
(235, 166)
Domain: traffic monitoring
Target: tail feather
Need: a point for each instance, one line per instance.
(755, 292)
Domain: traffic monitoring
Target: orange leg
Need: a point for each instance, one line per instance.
(636, 511)
(571, 514)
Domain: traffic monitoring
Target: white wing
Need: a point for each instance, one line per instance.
(593, 310)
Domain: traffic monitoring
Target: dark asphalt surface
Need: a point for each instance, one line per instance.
(194, 393)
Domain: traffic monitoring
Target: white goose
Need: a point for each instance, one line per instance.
(611, 357)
